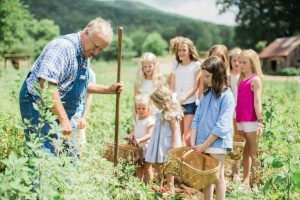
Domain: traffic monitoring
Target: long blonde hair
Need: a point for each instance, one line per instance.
(255, 63)
(156, 76)
(165, 100)
(192, 49)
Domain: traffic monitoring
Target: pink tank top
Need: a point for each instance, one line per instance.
(245, 111)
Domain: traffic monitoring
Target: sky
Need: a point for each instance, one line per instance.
(199, 9)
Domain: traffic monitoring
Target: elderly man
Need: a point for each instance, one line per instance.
(64, 63)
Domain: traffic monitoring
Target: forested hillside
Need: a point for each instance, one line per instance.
(135, 17)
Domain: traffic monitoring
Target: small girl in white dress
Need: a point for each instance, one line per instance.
(142, 132)
(166, 134)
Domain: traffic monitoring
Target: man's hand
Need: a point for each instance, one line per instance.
(67, 128)
(115, 88)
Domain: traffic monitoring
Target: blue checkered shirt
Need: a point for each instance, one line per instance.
(58, 64)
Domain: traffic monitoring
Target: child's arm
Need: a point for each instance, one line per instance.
(147, 136)
(193, 136)
(257, 89)
(201, 85)
(82, 121)
(195, 124)
(193, 90)
(172, 81)
(174, 134)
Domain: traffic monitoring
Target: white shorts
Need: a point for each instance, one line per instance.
(215, 150)
(247, 126)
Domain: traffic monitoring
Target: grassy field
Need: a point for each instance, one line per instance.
(94, 178)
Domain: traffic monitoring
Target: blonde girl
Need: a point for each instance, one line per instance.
(144, 124)
(166, 133)
(220, 51)
(212, 130)
(148, 75)
(185, 81)
(235, 72)
(249, 110)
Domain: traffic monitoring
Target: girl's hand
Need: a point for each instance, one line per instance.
(135, 142)
(129, 137)
(260, 129)
(200, 148)
(81, 123)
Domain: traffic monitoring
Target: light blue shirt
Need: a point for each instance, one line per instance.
(215, 116)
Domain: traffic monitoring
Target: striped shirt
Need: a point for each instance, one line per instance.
(58, 64)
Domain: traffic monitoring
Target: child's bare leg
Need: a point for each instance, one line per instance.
(246, 161)
(236, 163)
(209, 192)
(161, 176)
(170, 181)
(186, 129)
(221, 184)
(182, 133)
(236, 170)
(148, 172)
(253, 146)
(140, 172)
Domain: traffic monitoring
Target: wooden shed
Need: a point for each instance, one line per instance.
(281, 53)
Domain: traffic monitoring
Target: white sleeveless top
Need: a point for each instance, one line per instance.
(185, 79)
(147, 87)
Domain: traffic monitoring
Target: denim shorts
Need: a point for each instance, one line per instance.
(189, 109)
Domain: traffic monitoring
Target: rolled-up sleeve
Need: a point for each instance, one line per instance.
(224, 122)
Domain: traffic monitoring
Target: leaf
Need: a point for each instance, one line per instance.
(277, 164)
(296, 179)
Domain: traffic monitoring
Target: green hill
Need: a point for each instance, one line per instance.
(73, 15)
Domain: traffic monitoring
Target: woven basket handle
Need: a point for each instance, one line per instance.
(186, 153)
(190, 151)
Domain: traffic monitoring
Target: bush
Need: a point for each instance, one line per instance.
(156, 44)
(289, 71)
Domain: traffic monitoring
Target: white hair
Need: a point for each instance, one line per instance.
(101, 26)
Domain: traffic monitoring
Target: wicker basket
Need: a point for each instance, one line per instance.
(174, 161)
(127, 152)
(199, 170)
(238, 147)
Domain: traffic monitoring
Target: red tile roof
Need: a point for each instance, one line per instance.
(280, 47)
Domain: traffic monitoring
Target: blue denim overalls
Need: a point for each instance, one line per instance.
(70, 101)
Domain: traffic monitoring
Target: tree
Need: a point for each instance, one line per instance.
(14, 18)
(263, 20)
(20, 32)
(155, 44)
